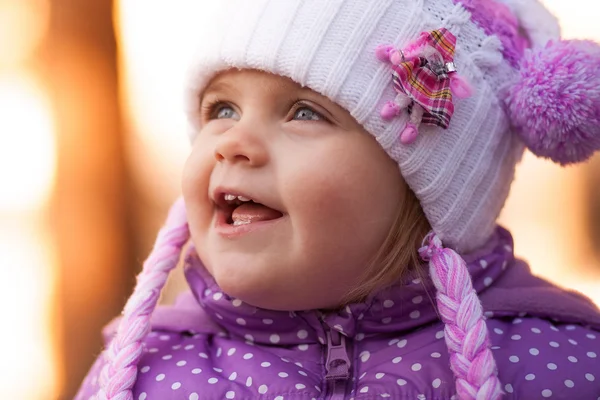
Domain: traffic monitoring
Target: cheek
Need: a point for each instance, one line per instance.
(194, 185)
(195, 179)
(345, 202)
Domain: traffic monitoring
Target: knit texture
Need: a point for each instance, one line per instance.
(556, 104)
(460, 175)
(466, 333)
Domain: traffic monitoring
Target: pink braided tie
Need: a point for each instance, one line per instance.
(466, 334)
(119, 374)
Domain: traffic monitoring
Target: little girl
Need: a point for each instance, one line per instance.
(349, 161)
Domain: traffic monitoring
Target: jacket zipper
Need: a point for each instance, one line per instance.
(337, 366)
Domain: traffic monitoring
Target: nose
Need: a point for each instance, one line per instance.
(242, 144)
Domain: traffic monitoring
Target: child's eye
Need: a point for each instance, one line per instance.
(304, 113)
(219, 110)
(225, 112)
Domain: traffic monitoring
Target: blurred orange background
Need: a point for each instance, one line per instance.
(92, 142)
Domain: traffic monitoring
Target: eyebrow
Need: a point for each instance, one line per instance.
(219, 87)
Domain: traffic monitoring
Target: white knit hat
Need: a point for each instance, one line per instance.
(461, 175)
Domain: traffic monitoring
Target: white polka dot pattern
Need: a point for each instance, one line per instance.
(407, 367)
(403, 370)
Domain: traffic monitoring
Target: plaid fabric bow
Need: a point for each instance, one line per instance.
(424, 76)
(426, 81)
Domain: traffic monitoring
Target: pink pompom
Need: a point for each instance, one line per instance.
(409, 134)
(555, 105)
(460, 87)
(383, 52)
(396, 57)
(390, 110)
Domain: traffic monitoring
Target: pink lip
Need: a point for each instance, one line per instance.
(229, 231)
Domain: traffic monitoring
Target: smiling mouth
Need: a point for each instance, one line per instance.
(241, 210)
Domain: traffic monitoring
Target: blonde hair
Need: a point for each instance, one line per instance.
(398, 253)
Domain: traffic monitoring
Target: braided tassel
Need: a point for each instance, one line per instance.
(119, 375)
(466, 334)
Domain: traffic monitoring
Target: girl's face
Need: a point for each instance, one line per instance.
(327, 193)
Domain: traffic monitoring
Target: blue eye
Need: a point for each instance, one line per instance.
(226, 112)
(307, 114)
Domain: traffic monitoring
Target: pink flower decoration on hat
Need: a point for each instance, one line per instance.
(424, 76)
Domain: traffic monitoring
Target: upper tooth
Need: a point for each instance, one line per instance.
(230, 197)
(243, 198)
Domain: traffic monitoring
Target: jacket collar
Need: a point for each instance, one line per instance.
(402, 307)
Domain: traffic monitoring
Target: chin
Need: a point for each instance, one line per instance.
(245, 283)
(253, 289)
(272, 297)
(266, 285)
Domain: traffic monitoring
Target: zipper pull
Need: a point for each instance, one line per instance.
(337, 364)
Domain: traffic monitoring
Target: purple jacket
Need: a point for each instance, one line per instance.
(546, 342)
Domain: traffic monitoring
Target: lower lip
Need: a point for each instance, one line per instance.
(232, 231)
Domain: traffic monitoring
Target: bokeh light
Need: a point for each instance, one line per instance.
(27, 148)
